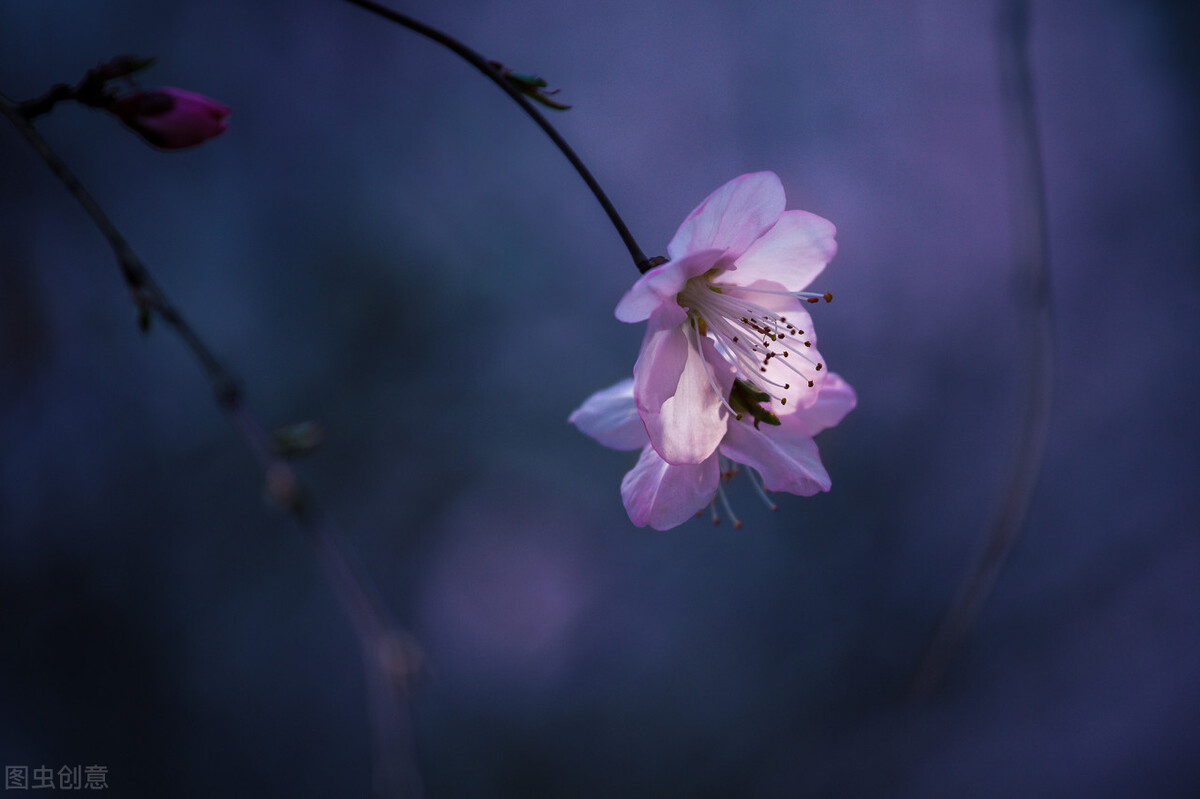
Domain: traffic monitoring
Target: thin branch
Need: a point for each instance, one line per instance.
(496, 76)
(1032, 271)
(390, 656)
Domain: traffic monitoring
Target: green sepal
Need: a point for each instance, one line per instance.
(532, 81)
(298, 439)
(532, 86)
(745, 398)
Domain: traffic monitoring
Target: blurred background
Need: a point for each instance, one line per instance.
(383, 242)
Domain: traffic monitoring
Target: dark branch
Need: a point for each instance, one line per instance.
(485, 66)
(1032, 270)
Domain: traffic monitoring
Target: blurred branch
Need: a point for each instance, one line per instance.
(1032, 273)
(391, 657)
(498, 74)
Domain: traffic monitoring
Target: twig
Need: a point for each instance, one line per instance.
(489, 69)
(390, 656)
(1032, 271)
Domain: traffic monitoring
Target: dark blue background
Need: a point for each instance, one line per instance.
(382, 241)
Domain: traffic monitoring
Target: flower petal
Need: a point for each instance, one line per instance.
(673, 388)
(732, 217)
(610, 416)
(660, 363)
(785, 456)
(792, 253)
(656, 289)
(664, 495)
(835, 400)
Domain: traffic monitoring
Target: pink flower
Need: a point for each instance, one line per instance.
(172, 118)
(728, 306)
(664, 495)
(729, 346)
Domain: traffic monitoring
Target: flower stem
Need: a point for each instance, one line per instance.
(44, 104)
(483, 65)
(1032, 270)
(390, 656)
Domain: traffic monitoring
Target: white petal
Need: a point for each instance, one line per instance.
(786, 458)
(673, 387)
(610, 417)
(732, 217)
(663, 495)
(835, 400)
(656, 289)
(792, 253)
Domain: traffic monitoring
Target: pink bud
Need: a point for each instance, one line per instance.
(171, 118)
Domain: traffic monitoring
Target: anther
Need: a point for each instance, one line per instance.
(829, 296)
(819, 366)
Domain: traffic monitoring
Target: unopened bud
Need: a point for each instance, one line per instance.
(171, 119)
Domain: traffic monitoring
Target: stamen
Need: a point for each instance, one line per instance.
(708, 373)
(761, 488)
(811, 296)
(747, 335)
(737, 523)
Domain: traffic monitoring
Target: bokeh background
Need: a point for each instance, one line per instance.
(383, 242)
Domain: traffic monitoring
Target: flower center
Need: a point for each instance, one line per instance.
(749, 336)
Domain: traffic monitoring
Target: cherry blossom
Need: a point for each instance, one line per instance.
(728, 308)
(728, 372)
